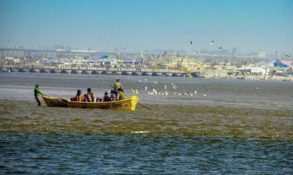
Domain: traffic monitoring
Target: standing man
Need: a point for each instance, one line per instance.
(117, 85)
(37, 92)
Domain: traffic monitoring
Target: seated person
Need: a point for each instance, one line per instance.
(121, 95)
(89, 96)
(78, 97)
(106, 97)
(99, 99)
(113, 95)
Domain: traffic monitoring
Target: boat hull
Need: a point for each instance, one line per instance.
(126, 104)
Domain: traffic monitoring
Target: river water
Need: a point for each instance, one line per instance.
(195, 126)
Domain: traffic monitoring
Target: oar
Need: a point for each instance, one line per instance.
(144, 106)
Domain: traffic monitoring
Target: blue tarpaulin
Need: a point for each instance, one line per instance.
(104, 57)
(279, 64)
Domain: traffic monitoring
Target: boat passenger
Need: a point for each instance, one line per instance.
(121, 95)
(37, 92)
(99, 99)
(116, 86)
(89, 96)
(113, 95)
(78, 96)
(106, 97)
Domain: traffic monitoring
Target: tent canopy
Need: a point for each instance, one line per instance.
(279, 64)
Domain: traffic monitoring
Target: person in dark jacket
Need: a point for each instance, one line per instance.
(106, 97)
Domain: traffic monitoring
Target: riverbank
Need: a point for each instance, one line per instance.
(223, 75)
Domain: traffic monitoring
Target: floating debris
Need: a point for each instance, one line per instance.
(139, 132)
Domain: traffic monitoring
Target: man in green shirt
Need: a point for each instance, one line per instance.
(37, 92)
(121, 94)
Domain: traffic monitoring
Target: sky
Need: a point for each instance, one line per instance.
(138, 25)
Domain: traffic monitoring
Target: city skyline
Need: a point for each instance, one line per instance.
(136, 26)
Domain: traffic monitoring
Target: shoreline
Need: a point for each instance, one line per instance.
(256, 78)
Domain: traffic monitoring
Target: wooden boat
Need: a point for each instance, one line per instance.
(126, 104)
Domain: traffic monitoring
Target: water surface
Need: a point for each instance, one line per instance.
(226, 127)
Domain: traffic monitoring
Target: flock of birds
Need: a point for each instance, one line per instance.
(166, 90)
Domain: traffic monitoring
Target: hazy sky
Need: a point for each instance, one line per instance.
(137, 25)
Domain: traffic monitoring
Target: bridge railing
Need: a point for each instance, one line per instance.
(96, 69)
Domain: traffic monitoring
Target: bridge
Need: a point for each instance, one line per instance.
(104, 71)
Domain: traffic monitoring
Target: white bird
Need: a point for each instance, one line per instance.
(165, 86)
(155, 91)
(195, 92)
(166, 93)
(174, 86)
(136, 91)
(150, 93)
(145, 88)
(204, 95)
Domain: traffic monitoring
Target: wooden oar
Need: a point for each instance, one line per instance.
(143, 105)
